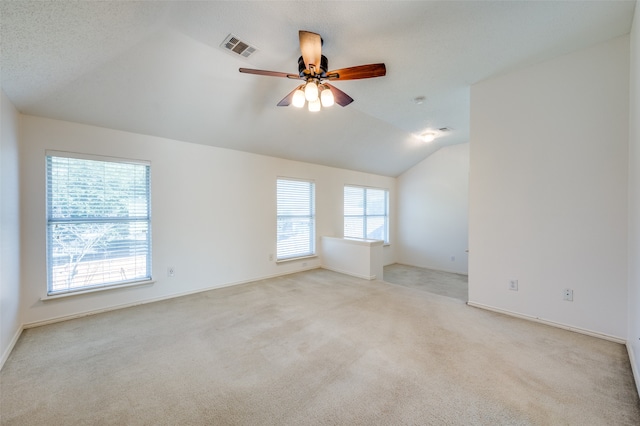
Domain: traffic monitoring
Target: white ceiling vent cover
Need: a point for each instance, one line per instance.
(235, 45)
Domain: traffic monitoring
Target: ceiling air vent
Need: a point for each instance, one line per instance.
(235, 45)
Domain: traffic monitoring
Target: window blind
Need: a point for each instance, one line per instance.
(366, 213)
(98, 223)
(296, 218)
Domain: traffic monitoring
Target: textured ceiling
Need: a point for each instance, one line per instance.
(156, 68)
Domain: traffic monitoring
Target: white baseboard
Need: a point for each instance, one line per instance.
(592, 333)
(364, 277)
(634, 368)
(9, 348)
(155, 299)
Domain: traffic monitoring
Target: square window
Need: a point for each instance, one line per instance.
(366, 213)
(98, 222)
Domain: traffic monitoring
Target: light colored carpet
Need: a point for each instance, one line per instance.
(313, 348)
(438, 282)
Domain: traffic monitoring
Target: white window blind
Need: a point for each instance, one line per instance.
(366, 213)
(98, 223)
(296, 219)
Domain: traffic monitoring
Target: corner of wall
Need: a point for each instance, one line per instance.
(633, 337)
(10, 290)
(552, 212)
(433, 211)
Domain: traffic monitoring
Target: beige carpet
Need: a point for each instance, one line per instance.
(314, 348)
(438, 282)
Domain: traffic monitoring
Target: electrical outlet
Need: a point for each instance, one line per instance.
(513, 285)
(271, 257)
(171, 271)
(567, 295)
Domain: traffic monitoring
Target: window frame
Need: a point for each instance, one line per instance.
(365, 215)
(118, 220)
(311, 217)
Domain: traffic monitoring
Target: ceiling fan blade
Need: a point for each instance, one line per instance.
(358, 72)
(311, 49)
(339, 96)
(286, 101)
(269, 73)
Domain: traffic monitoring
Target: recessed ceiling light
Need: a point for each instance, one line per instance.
(428, 136)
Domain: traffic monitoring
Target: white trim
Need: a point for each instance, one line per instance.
(634, 369)
(360, 241)
(95, 289)
(298, 179)
(291, 259)
(357, 185)
(155, 299)
(12, 344)
(591, 333)
(364, 277)
(93, 157)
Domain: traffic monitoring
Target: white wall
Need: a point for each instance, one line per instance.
(213, 212)
(433, 211)
(548, 189)
(633, 340)
(10, 321)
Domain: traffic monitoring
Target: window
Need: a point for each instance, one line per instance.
(366, 213)
(98, 222)
(296, 219)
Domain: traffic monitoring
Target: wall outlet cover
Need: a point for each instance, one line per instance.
(513, 285)
(567, 295)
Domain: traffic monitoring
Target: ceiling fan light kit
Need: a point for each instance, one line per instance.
(298, 99)
(326, 97)
(312, 67)
(314, 106)
(311, 91)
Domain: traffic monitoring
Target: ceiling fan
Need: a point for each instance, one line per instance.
(312, 67)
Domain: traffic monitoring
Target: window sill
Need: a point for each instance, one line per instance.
(95, 290)
(297, 258)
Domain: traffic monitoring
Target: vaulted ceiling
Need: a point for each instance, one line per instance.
(158, 68)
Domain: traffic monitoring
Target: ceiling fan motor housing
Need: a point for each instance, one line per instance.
(322, 72)
(313, 68)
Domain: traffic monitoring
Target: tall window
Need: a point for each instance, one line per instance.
(366, 213)
(296, 219)
(98, 222)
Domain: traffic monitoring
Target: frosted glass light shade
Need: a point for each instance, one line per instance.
(298, 99)
(428, 137)
(326, 96)
(311, 91)
(314, 106)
